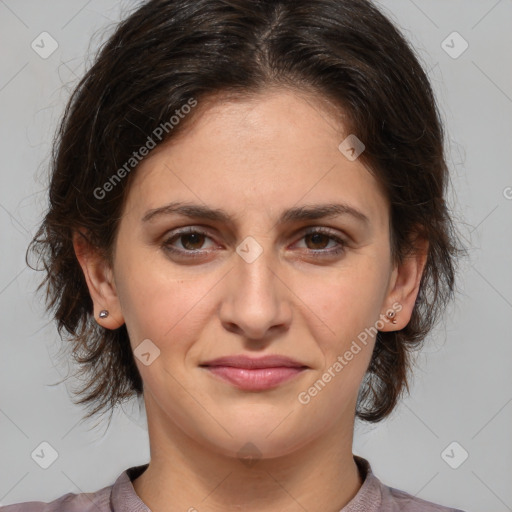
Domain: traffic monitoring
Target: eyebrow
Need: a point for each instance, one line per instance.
(301, 213)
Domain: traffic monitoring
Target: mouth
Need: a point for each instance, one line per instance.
(254, 374)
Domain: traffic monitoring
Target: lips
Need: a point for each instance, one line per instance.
(254, 374)
(250, 363)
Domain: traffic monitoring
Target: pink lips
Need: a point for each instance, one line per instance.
(254, 374)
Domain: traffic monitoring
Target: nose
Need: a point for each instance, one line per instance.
(256, 299)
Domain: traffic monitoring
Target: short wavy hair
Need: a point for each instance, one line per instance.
(168, 51)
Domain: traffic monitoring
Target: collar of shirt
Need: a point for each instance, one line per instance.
(367, 499)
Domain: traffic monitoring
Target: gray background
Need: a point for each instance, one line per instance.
(462, 389)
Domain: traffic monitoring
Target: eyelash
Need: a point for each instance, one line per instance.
(320, 253)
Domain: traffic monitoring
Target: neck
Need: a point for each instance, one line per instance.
(184, 475)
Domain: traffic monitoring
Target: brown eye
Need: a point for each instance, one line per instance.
(319, 240)
(193, 241)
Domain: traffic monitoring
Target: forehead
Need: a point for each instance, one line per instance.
(262, 153)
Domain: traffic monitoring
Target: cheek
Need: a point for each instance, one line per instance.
(346, 301)
(160, 303)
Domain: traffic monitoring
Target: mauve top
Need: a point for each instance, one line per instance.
(373, 496)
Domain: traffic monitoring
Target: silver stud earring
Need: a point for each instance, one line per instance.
(390, 315)
(103, 313)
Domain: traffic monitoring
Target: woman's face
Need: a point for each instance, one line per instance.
(255, 283)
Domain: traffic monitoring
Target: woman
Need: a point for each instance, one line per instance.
(248, 228)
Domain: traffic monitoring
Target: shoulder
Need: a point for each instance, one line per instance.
(118, 497)
(98, 501)
(376, 496)
(394, 500)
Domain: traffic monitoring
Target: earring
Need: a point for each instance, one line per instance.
(103, 313)
(390, 315)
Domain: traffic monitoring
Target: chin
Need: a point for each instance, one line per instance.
(256, 443)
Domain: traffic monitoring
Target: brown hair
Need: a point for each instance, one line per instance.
(168, 51)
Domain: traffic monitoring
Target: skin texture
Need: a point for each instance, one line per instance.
(253, 158)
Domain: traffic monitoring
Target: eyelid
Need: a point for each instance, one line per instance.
(175, 234)
(325, 230)
(204, 230)
(334, 235)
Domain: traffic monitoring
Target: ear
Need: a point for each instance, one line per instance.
(100, 281)
(404, 287)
